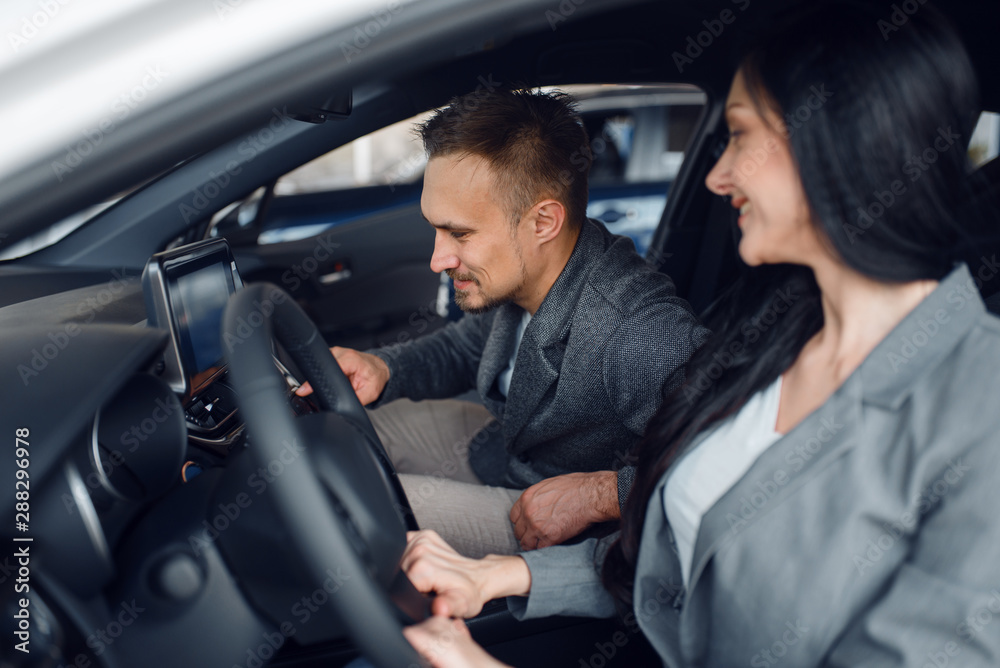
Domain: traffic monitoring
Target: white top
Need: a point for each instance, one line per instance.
(504, 380)
(717, 462)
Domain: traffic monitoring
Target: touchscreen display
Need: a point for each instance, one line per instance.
(198, 289)
(202, 295)
(186, 290)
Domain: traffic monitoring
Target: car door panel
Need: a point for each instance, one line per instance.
(364, 282)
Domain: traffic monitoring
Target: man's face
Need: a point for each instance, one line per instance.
(474, 242)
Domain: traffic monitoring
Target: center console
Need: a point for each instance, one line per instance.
(186, 290)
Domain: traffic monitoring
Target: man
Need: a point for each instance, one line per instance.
(570, 338)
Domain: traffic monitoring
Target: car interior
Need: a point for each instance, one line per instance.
(153, 350)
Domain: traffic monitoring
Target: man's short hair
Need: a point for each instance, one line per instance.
(534, 143)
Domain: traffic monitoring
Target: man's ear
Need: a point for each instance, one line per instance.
(549, 220)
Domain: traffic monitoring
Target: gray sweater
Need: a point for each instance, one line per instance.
(608, 341)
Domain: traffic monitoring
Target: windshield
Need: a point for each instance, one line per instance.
(59, 230)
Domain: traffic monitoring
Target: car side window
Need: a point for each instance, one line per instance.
(390, 156)
(638, 134)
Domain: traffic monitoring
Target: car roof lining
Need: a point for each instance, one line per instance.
(120, 235)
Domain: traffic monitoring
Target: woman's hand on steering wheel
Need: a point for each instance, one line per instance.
(462, 585)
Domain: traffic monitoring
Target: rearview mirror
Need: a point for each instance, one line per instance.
(337, 105)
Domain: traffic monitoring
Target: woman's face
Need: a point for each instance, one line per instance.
(757, 171)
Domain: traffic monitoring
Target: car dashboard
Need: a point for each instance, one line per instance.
(128, 441)
(142, 511)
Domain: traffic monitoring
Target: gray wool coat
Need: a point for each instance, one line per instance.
(609, 339)
(868, 535)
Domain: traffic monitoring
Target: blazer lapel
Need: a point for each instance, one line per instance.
(658, 592)
(812, 445)
(536, 370)
(543, 345)
(496, 354)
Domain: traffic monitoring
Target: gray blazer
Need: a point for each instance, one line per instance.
(609, 339)
(869, 535)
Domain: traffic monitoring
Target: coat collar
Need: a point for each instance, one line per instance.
(551, 321)
(927, 334)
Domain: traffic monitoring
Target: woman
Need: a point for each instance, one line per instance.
(826, 487)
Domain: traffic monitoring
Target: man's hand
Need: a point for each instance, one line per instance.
(556, 509)
(368, 374)
(446, 643)
(462, 585)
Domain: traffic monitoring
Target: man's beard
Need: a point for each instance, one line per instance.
(489, 302)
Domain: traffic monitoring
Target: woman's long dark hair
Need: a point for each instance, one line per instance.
(866, 104)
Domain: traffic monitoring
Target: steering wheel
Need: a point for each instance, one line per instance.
(341, 503)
